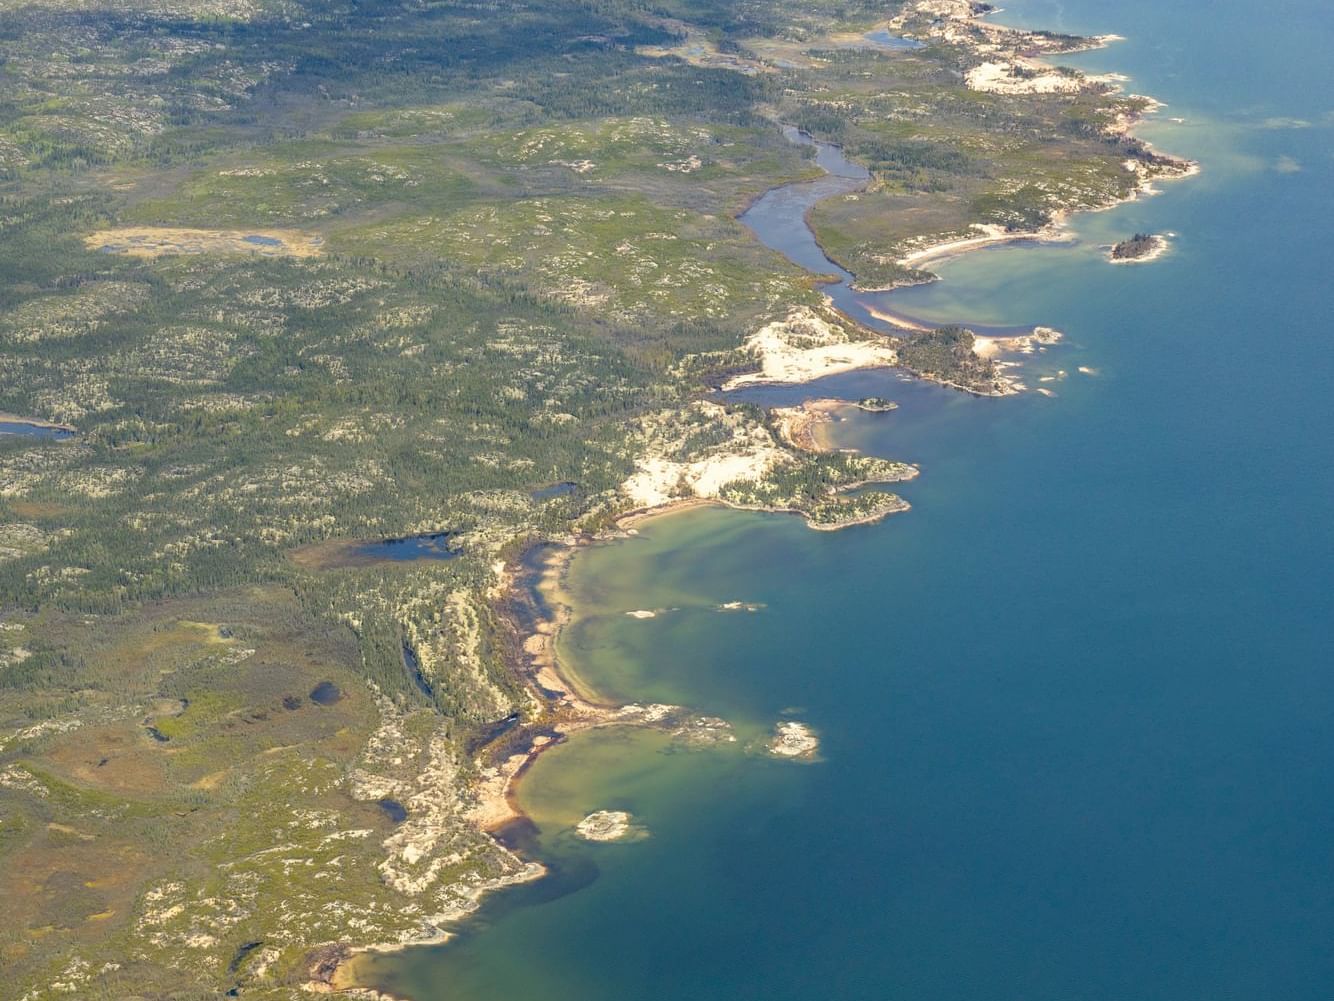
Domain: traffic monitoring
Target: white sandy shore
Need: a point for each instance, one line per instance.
(797, 425)
(990, 347)
(805, 346)
(1008, 67)
(988, 235)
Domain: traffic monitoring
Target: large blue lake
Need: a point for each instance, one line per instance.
(1077, 706)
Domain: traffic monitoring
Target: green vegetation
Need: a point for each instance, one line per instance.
(877, 404)
(947, 354)
(1139, 245)
(526, 269)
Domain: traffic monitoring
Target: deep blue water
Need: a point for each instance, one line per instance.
(1077, 706)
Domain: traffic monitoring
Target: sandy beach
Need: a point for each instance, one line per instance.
(800, 426)
(988, 236)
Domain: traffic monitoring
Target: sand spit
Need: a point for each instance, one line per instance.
(988, 235)
(1011, 62)
(560, 704)
(1027, 344)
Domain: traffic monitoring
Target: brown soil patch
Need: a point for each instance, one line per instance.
(113, 759)
(156, 241)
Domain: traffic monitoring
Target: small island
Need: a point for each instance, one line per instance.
(794, 740)
(1140, 247)
(876, 405)
(607, 825)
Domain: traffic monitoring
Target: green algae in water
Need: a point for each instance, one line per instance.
(667, 790)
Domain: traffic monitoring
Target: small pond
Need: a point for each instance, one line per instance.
(28, 429)
(413, 547)
(326, 693)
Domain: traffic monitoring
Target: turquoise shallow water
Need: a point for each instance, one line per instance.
(1077, 706)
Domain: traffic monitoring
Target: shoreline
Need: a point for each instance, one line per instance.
(569, 704)
(800, 425)
(1173, 167)
(992, 235)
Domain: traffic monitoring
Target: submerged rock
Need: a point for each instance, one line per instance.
(608, 825)
(704, 731)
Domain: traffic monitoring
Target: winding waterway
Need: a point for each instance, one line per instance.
(780, 220)
(1075, 707)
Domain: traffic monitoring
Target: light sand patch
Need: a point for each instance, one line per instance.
(1022, 77)
(660, 480)
(745, 453)
(987, 235)
(608, 825)
(492, 807)
(159, 241)
(794, 740)
(990, 347)
(806, 346)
